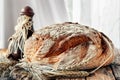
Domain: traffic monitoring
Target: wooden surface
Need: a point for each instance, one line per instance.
(111, 72)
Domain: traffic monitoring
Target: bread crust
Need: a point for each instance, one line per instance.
(69, 46)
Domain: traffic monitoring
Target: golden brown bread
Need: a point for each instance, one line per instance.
(69, 46)
(3, 51)
(3, 55)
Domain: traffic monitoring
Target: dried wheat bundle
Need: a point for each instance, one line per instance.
(35, 71)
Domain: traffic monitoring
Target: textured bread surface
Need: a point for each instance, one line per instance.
(69, 46)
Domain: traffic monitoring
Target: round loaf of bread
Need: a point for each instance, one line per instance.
(69, 46)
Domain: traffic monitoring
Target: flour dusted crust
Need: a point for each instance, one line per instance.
(68, 46)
